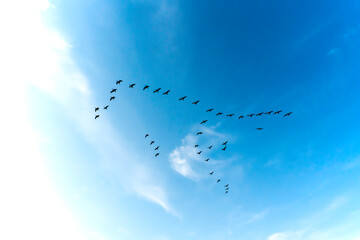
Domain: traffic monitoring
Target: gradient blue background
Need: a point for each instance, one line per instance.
(298, 178)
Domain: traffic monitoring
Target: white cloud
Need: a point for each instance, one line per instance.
(258, 216)
(286, 236)
(181, 157)
(33, 55)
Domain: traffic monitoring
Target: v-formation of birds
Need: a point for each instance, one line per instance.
(183, 98)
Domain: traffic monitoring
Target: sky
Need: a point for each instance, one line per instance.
(65, 175)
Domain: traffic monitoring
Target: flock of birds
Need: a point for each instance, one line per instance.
(183, 98)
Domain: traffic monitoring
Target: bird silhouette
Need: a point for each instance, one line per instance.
(288, 114)
(206, 160)
(199, 133)
(224, 148)
(211, 173)
(209, 110)
(196, 102)
(157, 148)
(224, 143)
(259, 114)
(241, 117)
(226, 192)
(106, 107)
(226, 185)
(203, 122)
(96, 109)
(166, 93)
(146, 87)
(132, 85)
(219, 113)
(268, 113)
(157, 90)
(218, 180)
(182, 98)
(226, 188)
(230, 115)
(196, 145)
(157, 154)
(152, 142)
(259, 128)
(112, 98)
(250, 115)
(277, 112)
(97, 116)
(199, 152)
(146, 135)
(118, 82)
(210, 147)
(113, 90)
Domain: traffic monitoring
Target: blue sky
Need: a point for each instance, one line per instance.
(67, 176)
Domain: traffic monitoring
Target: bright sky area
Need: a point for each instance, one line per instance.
(65, 175)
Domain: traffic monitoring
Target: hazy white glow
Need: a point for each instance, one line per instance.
(29, 205)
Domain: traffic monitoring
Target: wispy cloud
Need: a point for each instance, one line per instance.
(337, 203)
(44, 57)
(334, 52)
(355, 162)
(182, 157)
(257, 216)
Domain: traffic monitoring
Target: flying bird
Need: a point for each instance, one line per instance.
(230, 115)
(199, 133)
(119, 81)
(288, 114)
(146, 87)
(203, 122)
(199, 152)
(166, 93)
(241, 117)
(211, 173)
(224, 143)
(226, 192)
(259, 114)
(112, 98)
(157, 154)
(196, 145)
(277, 112)
(157, 90)
(113, 90)
(219, 113)
(226, 185)
(269, 112)
(196, 102)
(259, 128)
(152, 142)
(218, 180)
(210, 147)
(206, 160)
(96, 109)
(132, 85)
(182, 99)
(250, 115)
(209, 110)
(146, 135)
(97, 116)
(226, 188)
(106, 107)
(157, 148)
(224, 148)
